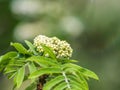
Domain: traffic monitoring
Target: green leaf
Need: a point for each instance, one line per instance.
(89, 73)
(49, 51)
(32, 67)
(66, 60)
(20, 48)
(61, 86)
(74, 82)
(9, 70)
(43, 71)
(77, 82)
(80, 69)
(42, 61)
(50, 84)
(73, 61)
(7, 56)
(13, 65)
(31, 47)
(19, 77)
(31, 86)
(1, 58)
(82, 80)
(11, 75)
(75, 86)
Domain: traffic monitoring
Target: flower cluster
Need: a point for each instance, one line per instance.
(60, 48)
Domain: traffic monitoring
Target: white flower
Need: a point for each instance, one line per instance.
(60, 48)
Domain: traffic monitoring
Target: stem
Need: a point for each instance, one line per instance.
(39, 86)
(42, 81)
(66, 80)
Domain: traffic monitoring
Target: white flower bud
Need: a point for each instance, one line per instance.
(60, 48)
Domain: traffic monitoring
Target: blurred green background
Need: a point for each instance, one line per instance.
(92, 27)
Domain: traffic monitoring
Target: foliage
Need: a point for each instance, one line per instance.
(62, 73)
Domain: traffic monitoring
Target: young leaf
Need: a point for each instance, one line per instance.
(11, 75)
(19, 77)
(49, 51)
(77, 82)
(32, 67)
(9, 71)
(82, 70)
(42, 61)
(89, 73)
(20, 48)
(61, 86)
(52, 83)
(5, 59)
(31, 86)
(66, 60)
(82, 80)
(9, 55)
(43, 71)
(1, 58)
(31, 47)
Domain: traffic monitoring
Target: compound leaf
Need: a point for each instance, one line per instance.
(20, 48)
(50, 84)
(19, 77)
(42, 71)
(31, 47)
